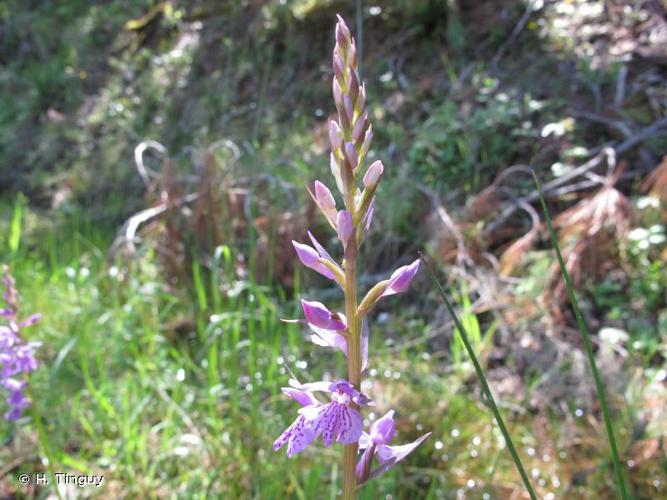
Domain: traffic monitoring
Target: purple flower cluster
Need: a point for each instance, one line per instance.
(17, 357)
(340, 419)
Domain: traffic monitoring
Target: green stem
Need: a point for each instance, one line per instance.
(482, 379)
(353, 361)
(585, 335)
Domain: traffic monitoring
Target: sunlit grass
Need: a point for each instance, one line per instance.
(163, 389)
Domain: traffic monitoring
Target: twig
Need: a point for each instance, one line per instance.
(129, 230)
(619, 97)
(144, 172)
(594, 162)
(530, 8)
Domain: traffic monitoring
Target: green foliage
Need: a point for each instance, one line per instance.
(15, 226)
(56, 59)
(478, 341)
(454, 147)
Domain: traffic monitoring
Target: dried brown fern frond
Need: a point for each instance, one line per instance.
(607, 209)
(590, 235)
(655, 182)
(189, 217)
(512, 255)
(481, 206)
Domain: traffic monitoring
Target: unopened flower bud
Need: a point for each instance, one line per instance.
(325, 200)
(353, 86)
(359, 128)
(360, 103)
(352, 55)
(345, 227)
(373, 174)
(343, 36)
(348, 107)
(335, 135)
(351, 156)
(401, 278)
(368, 137)
(338, 95)
(335, 171)
(338, 65)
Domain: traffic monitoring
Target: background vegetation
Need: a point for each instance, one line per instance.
(162, 272)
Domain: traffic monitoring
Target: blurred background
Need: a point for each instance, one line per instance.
(154, 158)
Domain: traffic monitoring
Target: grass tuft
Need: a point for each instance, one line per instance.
(585, 335)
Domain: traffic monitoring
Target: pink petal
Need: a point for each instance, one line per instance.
(31, 320)
(337, 422)
(364, 440)
(383, 429)
(311, 259)
(297, 436)
(311, 386)
(350, 426)
(345, 227)
(321, 250)
(401, 278)
(391, 455)
(304, 398)
(324, 422)
(328, 338)
(317, 314)
(364, 464)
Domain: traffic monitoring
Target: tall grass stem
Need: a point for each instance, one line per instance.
(482, 379)
(585, 335)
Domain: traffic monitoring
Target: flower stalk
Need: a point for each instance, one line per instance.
(353, 366)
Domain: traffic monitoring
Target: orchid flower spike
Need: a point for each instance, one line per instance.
(340, 420)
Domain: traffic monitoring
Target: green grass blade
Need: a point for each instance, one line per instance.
(482, 379)
(43, 439)
(583, 328)
(15, 227)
